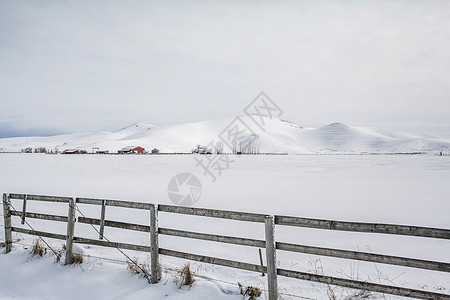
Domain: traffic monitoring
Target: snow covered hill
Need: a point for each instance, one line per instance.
(276, 136)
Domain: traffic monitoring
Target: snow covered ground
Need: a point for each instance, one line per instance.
(276, 136)
(399, 189)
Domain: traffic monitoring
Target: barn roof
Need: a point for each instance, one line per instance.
(70, 150)
(128, 148)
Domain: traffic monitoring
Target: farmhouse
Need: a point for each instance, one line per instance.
(202, 150)
(71, 151)
(155, 151)
(74, 151)
(131, 149)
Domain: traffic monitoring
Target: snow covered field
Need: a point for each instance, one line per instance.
(277, 136)
(410, 190)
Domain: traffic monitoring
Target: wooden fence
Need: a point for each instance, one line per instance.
(269, 243)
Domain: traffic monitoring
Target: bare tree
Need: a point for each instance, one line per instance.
(247, 145)
(40, 150)
(219, 147)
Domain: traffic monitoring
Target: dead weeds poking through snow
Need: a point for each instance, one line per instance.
(77, 258)
(346, 294)
(138, 268)
(38, 249)
(185, 276)
(252, 292)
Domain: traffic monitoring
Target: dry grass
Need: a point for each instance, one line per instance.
(77, 258)
(359, 295)
(138, 268)
(59, 253)
(38, 249)
(142, 269)
(252, 292)
(185, 276)
(346, 294)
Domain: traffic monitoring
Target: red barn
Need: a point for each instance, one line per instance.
(139, 150)
(132, 149)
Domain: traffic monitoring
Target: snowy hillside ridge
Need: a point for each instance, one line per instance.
(275, 135)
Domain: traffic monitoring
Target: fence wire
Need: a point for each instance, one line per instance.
(147, 276)
(172, 271)
(58, 255)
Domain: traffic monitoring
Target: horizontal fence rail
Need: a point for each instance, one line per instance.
(213, 213)
(213, 237)
(117, 203)
(40, 216)
(116, 224)
(270, 223)
(353, 284)
(364, 256)
(141, 248)
(214, 260)
(40, 198)
(39, 233)
(364, 227)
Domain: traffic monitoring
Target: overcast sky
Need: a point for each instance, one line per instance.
(73, 66)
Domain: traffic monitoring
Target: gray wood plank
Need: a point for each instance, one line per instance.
(102, 243)
(369, 257)
(71, 219)
(439, 233)
(213, 213)
(39, 233)
(89, 201)
(353, 284)
(7, 222)
(128, 204)
(271, 258)
(116, 224)
(213, 237)
(154, 243)
(102, 220)
(41, 216)
(213, 260)
(41, 198)
(116, 203)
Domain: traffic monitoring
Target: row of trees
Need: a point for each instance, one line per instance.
(213, 149)
(244, 145)
(40, 150)
(247, 145)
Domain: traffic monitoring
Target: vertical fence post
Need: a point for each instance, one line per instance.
(24, 209)
(154, 243)
(271, 257)
(102, 220)
(261, 261)
(70, 232)
(7, 220)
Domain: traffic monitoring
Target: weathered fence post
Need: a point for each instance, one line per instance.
(261, 262)
(154, 243)
(271, 257)
(24, 209)
(102, 220)
(70, 232)
(7, 220)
